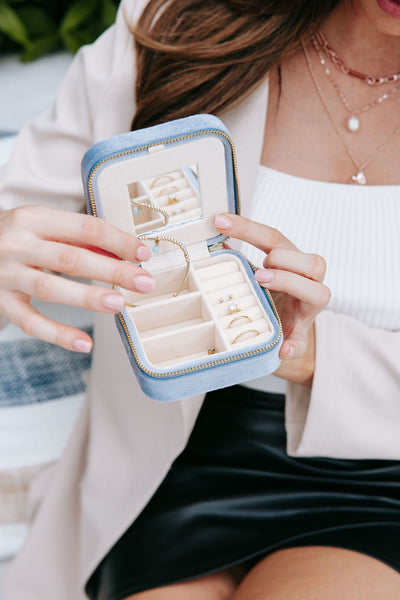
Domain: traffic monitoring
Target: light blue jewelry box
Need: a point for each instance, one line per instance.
(208, 324)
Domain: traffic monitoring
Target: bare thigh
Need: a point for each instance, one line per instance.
(312, 573)
(218, 586)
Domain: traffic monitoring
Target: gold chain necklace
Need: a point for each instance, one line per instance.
(359, 176)
(340, 64)
(352, 122)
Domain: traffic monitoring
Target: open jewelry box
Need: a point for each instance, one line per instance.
(208, 324)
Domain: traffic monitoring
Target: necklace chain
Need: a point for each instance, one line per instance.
(359, 177)
(353, 124)
(369, 79)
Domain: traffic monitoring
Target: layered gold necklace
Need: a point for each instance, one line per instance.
(352, 122)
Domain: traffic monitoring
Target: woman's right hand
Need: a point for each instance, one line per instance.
(34, 238)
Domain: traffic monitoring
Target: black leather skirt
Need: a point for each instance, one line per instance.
(234, 496)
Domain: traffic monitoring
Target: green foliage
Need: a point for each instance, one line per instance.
(37, 27)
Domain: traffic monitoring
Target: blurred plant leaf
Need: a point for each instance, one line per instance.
(12, 25)
(37, 21)
(75, 39)
(109, 11)
(77, 15)
(40, 46)
(41, 26)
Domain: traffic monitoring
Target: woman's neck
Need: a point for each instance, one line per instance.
(362, 43)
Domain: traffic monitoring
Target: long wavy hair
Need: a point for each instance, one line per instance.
(206, 55)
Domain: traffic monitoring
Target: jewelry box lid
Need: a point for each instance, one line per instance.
(170, 179)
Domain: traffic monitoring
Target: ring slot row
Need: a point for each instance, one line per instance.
(239, 316)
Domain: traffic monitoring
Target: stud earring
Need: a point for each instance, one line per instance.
(221, 300)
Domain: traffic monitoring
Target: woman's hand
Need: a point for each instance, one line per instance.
(34, 238)
(295, 281)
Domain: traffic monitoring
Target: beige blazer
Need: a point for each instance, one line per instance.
(124, 443)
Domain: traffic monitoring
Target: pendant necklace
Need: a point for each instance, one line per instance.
(359, 176)
(352, 122)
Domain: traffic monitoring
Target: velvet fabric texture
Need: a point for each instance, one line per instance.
(234, 495)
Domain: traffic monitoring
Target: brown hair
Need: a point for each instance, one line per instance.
(205, 55)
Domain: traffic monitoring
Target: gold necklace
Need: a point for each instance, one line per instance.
(340, 64)
(352, 122)
(358, 177)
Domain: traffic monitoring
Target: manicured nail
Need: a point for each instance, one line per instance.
(264, 275)
(223, 222)
(289, 350)
(82, 345)
(114, 302)
(143, 253)
(144, 283)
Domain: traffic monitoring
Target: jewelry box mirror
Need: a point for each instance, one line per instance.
(166, 199)
(207, 320)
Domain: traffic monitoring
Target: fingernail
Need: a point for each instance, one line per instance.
(82, 345)
(113, 302)
(223, 222)
(264, 275)
(144, 283)
(289, 351)
(143, 253)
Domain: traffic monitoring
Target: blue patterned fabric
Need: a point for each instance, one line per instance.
(32, 371)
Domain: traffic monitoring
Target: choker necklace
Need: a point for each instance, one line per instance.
(338, 62)
(352, 122)
(358, 177)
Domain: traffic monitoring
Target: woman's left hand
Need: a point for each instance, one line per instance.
(294, 279)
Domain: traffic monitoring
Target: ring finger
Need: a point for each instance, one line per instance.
(53, 288)
(312, 292)
(311, 266)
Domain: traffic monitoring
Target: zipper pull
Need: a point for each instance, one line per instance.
(218, 245)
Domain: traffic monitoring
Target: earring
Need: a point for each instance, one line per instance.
(221, 300)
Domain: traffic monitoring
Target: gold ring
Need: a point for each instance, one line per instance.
(242, 333)
(235, 319)
(167, 177)
(233, 307)
(170, 189)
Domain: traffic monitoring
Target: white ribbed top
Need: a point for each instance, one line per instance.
(355, 228)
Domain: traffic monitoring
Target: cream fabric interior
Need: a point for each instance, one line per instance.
(217, 311)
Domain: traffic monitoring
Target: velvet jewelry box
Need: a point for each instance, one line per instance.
(208, 324)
